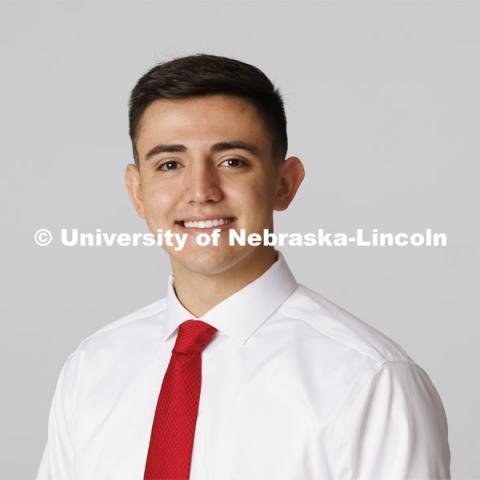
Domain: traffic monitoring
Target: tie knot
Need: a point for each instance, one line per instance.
(193, 336)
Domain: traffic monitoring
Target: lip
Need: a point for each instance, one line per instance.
(198, 218)
(196, 231)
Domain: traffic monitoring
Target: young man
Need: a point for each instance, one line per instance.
(239, 372)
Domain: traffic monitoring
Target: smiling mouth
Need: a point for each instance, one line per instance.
(206, 224)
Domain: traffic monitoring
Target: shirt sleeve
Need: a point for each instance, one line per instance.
(58, 454)
(394, 427)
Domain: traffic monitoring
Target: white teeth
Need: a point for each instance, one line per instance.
(206, 223)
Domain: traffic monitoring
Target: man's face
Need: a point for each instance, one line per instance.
(204, 159)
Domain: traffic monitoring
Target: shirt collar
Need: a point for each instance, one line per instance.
(239, 315)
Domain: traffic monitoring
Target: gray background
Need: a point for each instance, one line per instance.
(383, 107)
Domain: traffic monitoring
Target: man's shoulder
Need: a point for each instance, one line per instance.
(340, 329)
(143, 313)
(139, 323)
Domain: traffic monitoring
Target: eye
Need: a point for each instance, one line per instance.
(170, 165)
(234, 162)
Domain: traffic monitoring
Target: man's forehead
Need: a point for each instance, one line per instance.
(200, 121)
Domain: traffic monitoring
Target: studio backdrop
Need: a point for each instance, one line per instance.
(383, 104)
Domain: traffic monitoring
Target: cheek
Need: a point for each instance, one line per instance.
(158, 203)
(256, 203)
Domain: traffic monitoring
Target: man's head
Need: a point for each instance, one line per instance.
(209, 140)
(202, 75)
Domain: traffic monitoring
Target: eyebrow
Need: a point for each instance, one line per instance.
(217, 147)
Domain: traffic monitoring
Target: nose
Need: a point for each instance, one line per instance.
(202, 184)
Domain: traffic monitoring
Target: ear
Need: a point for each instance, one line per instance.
(290, 176)
(134, 188)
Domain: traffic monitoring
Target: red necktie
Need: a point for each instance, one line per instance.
(171, 441)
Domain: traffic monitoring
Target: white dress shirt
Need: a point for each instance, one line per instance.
(293, 388)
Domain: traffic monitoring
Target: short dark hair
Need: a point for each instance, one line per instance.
(202, 75)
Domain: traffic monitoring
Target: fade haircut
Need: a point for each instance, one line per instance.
(200, 75)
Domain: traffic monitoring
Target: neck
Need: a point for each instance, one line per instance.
(199, 292)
